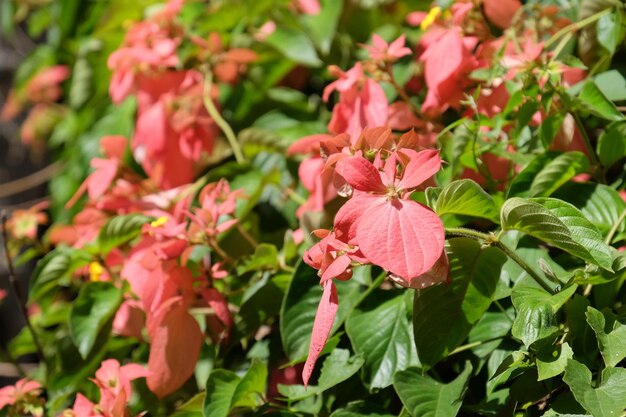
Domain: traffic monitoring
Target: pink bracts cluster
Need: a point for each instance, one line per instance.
(380, 224)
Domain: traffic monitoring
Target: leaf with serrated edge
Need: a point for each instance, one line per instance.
(424, 397)
(559, 224)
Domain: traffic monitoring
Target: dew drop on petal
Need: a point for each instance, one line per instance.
(139, 153)
(345, 190)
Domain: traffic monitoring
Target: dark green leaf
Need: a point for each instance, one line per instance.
(338, 367)
(474, 272)
(596, 103)
(300, 305)
(608, 399)
(362, 409)
(612, 144)
(611, 335)
(387, 347)
(557, 172)
(536, 311)
(92, 314)
(120, 230)
(559, 224)
(424, 397)
(551, 360)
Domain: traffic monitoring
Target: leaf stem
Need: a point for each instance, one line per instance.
(611, 234)
(219, 120)
(472, 345)
(17, 288)
(598, 170)
(490, 239)
(577, 26)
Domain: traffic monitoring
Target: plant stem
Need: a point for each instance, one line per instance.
(576, 26)
(598, 170)
(247, 236)
(17, 288)
(474, 344)
(402, 92)
(611, 234)
(219, 120)
(492, 240)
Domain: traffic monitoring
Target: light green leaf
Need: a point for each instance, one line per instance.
(611, 335)
(609, 31)
(608, 399)
(536, 311)
(91, 316)
(596, 103)
(338, 367)
(559, 224)
(557, 172)
(300, 305)
(612, 144)
(121, 229)
(220, 388)
(551, 360)
(295, 45)
(467, 198)
(192, 408)
(424, 397)
(612, 84)
(474, 272)
(225, 390)
(323, 25)
(388, 346)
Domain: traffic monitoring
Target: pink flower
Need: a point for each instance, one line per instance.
(391, 230)
(114, 383)
(501, 12)
(310, 7)
(362, 102)
(21, 391)
(383, 51)
(44, 86)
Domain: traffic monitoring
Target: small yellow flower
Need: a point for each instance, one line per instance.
(95, 271)
(430, 18)
(159, 222)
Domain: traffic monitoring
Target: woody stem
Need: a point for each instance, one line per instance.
(17, 288)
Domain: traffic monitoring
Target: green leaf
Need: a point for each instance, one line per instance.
(338, 367)
(612, 144)
(474, 272)
(323, 26)
(609, 31)
(220, 388)
(557, 172)
(225, 390)
(559, 224)
(362, 409)
(599, 203)
(612, 84)
(192, 408)
(608, 399)
(467, 198)
(388, 346)
(536, 311)
(596, 103)
(300, 305)
(551, 360)
(611, 335)
(424, 397)
(54, 267)
(120, 230)
(92, 314)
(265, 257)
(295, 45)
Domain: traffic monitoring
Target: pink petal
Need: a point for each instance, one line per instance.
(439, 273)
(402, 236)
(424, 165)
(348, 215)
(362, 175)
(324, 319)
(336, 268)
(175, 342)
(501, 12)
